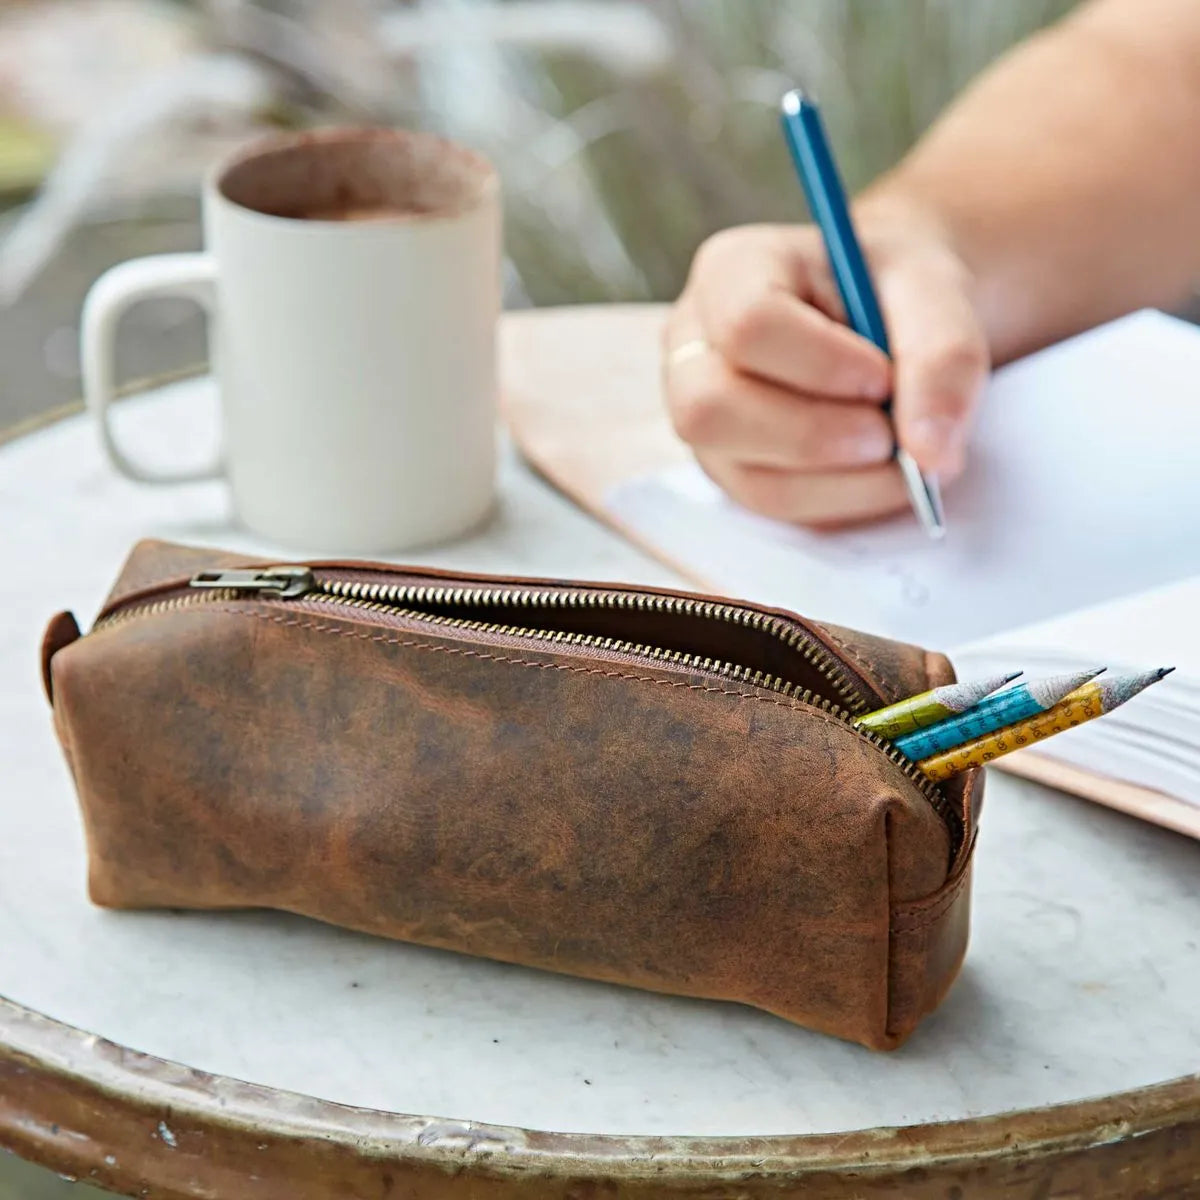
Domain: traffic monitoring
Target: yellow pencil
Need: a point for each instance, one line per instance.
(1083, 704)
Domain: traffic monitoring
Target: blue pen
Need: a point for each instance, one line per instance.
(997, 711)
(813, 158)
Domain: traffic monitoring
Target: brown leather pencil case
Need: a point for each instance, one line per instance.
(645, 787)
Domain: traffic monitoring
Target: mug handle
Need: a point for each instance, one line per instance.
(192, 276)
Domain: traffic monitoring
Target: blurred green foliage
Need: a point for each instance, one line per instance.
(698, 146)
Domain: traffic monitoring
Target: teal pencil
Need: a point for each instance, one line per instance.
(996, 711)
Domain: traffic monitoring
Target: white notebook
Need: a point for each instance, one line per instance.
(1154, 740)
(1084, 490)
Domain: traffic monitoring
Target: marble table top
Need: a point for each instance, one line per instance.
(1080, 981)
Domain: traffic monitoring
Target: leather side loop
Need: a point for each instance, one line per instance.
(62, 631)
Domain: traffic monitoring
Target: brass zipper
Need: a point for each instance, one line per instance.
(151, 608)
(298, 582)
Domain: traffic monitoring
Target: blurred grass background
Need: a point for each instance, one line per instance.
(614, 172)
(616, 164)
(698, 147)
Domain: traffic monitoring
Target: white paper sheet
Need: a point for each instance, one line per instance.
(1154, 740)
(1084, 484)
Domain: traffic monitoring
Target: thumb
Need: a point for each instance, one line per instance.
(941, 361)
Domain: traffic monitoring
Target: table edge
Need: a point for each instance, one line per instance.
(97, 1111)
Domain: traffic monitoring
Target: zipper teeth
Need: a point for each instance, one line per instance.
(377, 597)
(404, 596)
(588, 640)
(374, 597)
(123, 615)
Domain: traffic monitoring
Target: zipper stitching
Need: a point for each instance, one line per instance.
(397, 599)
(382, 596)
(407, 595)
(122, 616)
(714, 666)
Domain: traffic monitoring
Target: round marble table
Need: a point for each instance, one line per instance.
(257, 1055)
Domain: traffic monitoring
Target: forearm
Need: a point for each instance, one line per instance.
(1068, 176)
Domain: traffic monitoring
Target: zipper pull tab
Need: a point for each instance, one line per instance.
(286, 581)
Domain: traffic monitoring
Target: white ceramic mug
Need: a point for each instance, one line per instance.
(352, 279)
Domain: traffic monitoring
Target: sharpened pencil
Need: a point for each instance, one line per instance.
(1084, 704)
(993, 712)
(928, 708)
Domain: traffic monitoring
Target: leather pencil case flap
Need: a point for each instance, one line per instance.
(645, 787)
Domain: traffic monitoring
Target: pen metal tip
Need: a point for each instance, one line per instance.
(933, 493)
(924, 495)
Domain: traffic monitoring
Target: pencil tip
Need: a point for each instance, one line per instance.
(1163, 672)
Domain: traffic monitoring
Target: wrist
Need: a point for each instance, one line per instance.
(900, 216)
(901, 221)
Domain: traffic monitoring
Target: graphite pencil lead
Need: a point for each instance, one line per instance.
(1086, 703)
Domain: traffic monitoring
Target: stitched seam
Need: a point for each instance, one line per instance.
(970, 833)
(415, 644)
(929, 656)
(872, 669)
(915, 907)
(909, 917)
(918, 916)
(889, 976)
(925, 919)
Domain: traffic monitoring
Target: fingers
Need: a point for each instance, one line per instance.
(750, 289)
(794, 456)
(780, 401)
(942, 362)
(825, 499)
(713, 407)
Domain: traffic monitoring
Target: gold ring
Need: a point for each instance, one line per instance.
(693, 348)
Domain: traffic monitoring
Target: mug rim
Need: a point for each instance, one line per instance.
(259, 147)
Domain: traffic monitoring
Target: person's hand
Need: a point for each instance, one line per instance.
(780, 400)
